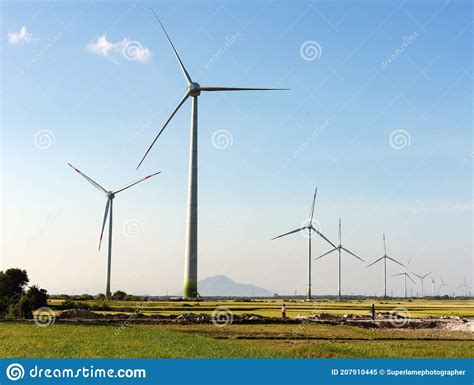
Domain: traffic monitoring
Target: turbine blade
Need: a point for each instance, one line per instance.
(291, 232)
(419, 276)
(157, 136)
(340, 233)
(351, 253)
(329, 252)
(322, 236)
(185, 73)
(241, 89)
(408, 275)
(394, 275)
(426, 275)
(401, 264)
(104, 222)
(134, 183)
(311, 213)
(90, 180)
(373, 263)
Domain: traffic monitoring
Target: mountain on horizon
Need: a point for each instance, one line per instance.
(222, 286)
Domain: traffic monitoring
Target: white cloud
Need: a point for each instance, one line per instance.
(22, 36)
(129, 49)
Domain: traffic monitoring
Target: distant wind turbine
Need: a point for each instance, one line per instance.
(433, 281)
(310, 229)
(339, 248)
(385, 257)
(442, 286)
(422, 278)
(108, 213)
(193, 91)
(464, 286)
(406, 275)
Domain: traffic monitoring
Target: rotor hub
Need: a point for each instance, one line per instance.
(194, 89)
(110, 195)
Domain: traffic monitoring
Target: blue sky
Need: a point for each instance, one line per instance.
(379, 117)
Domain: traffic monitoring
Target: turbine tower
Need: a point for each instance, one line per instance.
(193, 91)
(108, 214)
(464, 286)
(433, 281)
(422, 278)
(406, 275)
(339, 248)
(310, 229)
(442, 286)
(385, 257)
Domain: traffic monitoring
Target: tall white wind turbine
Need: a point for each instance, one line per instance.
(310, 228)
(422, 278)
(384, 258)
(339, 248)
(193, 92)
(108, 214)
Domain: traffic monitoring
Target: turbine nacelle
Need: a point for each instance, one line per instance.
(110, 194)
(194, 89)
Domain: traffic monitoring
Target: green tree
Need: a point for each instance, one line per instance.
(12, 287)
(13, 282)
(119, 295)
(37, 297)
(15, 300)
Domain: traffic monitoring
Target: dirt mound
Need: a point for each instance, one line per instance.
(461, 325)
(250, 317)
(355, 316)
(79, 314)
(191, 317)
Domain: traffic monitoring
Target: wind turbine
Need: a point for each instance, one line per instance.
(108, 213)
(442, 286)
(464, 286)
(433, 281)
(310, 229)
(385, 257)
(406, 275)
(340, 248)
(422, 278)
(193, 91)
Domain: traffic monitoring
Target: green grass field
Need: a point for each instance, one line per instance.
(259, 341)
